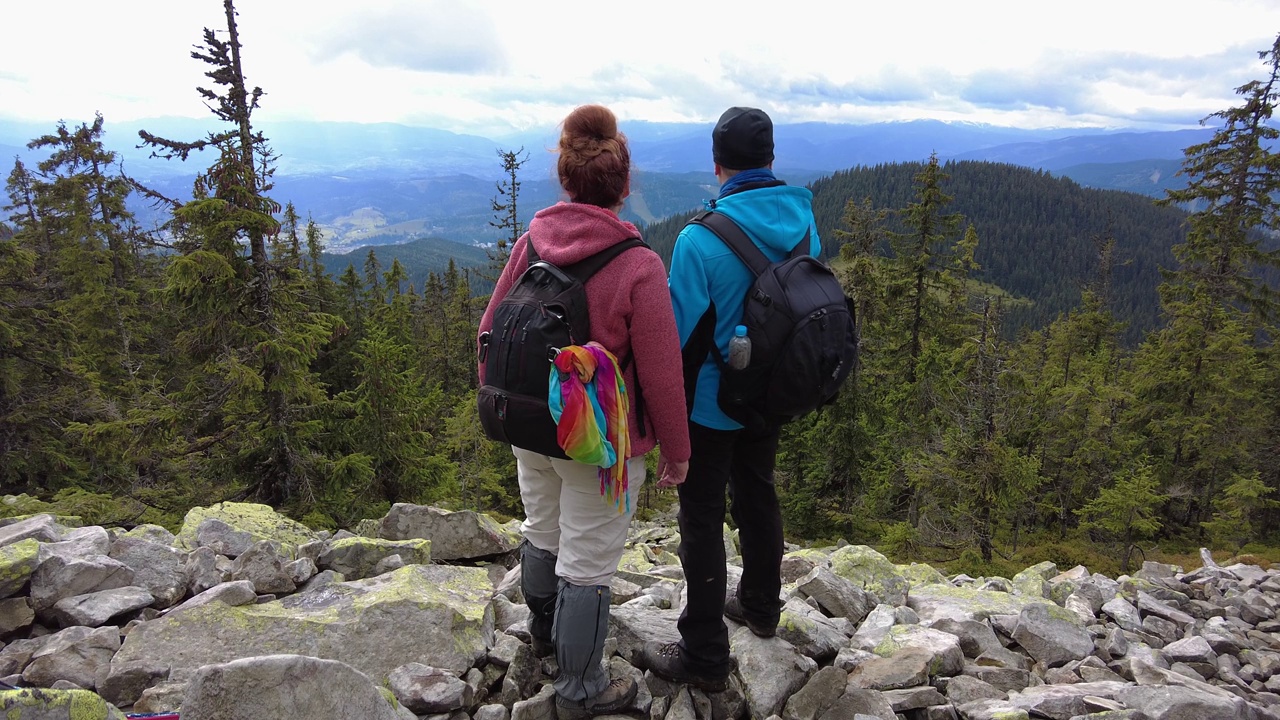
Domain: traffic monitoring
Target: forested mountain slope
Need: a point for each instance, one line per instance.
(1036, 233)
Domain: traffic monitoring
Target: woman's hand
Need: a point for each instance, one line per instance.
(671, 474)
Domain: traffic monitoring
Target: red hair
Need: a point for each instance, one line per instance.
(595, 162)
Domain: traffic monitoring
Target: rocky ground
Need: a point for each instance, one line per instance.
(245, 613)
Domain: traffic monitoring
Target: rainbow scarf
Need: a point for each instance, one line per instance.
(588, 401)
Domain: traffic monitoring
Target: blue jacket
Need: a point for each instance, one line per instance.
(705, 274)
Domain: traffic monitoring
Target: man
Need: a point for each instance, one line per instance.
(708, 287)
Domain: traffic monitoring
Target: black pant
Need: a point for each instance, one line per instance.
(741, 461)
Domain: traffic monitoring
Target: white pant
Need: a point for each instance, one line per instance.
(565, 514)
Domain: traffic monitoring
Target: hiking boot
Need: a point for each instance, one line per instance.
(733, 610)
(616, 696)
(664, 660)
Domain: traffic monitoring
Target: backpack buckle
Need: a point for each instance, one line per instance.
(761, 297)
(500, 406)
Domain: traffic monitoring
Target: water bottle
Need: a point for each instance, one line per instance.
(739, 348)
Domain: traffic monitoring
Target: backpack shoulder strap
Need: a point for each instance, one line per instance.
(802, 248)
(585, 268)
(531, 253)
(730, 234)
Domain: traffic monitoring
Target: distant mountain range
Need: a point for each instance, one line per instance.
(385, 183)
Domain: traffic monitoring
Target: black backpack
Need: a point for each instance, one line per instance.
(545, 310)
(802, 331)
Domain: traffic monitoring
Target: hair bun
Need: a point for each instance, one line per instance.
(595, 162)
(590, 122)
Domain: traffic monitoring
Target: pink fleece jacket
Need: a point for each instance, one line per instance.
(630, 309)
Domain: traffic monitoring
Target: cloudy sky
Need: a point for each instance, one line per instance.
(488, 66)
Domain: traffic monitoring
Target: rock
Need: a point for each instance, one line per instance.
(357, 557)
(438, 615)
(964, 689)
(1160, 628)
(161, 697)
(154, 534)
(261, 565)
(59, 578)
(860, 704)
(819, 693)
(301, 570)
(633, 626)
(159, 569)
(1003, 678)
(425, 689)
(975, 637)
(453, 535)
(874, 627)
(202, 570)
(797, 564)
(492, 712)
(1061, 702)
(1124, 614)
(15, 656)
(1049, 640)
(523, 674)
(234, 594)
(937, 602)
(1171, 702)
(75, 654)
(78, 543)
(811, 632)
(124, 684)
(945, 657)
(871, 571)
(992, 710)
(908, 668)
(38, 704)
(1034, 581)
(15, 614)
(916, 698)
(1194, 649)
(96, 608)
(247, 522)
(771, 669)
(539, 707)
(1149, 604)
(837, 596)
(18, 561)
(41, 528)
(284, 686)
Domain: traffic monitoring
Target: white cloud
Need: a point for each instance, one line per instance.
(477, 65)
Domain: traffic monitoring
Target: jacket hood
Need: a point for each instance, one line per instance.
(568, 232)
(771, 214)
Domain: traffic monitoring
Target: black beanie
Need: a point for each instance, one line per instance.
(742, 139)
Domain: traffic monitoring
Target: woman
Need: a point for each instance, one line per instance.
(573, 536)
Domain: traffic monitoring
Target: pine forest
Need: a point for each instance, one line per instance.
(145, 372)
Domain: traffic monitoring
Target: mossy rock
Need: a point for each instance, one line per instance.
(921, 574)
(636, 560)
(817, 557)
(261, 522)
(935, 602)
(41, 704)
(866, 568)
(66, 521)
(17, 562)
(440, 615)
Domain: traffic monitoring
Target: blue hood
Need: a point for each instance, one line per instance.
(706, 273)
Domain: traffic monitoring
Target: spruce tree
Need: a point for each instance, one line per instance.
(1201, 380)
(506, 217)
(250, 336)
